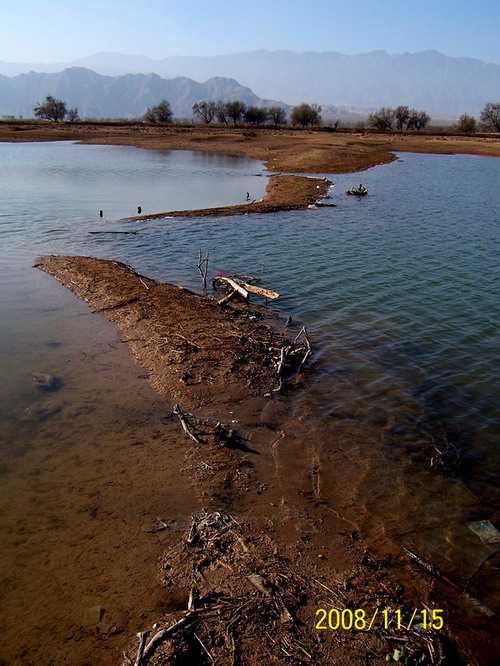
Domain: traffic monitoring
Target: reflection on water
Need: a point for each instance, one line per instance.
(399, 291)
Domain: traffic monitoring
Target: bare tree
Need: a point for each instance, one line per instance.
(306, 115)
(490, 116)
(52, 109)
(160, 113)
(204, 110)
(418, 119)
(466, 123)
(381, 119)
(276, 115)
(220, 112)
(402, 117)
(73, 115)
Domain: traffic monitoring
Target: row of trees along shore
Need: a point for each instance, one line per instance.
(236, 112)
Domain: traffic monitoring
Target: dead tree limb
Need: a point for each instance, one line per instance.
(162, 635)
(142, 636)
(185, 426)
(307, 346)
(232, 283)
(203, 267)
(228, 297)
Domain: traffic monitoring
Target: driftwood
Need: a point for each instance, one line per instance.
(434, 571)
(185, 425)
(288, 352)
(307, 346)
(241, 287)
(234, 284)
(268, 293)
(360, 191)
(228, 297)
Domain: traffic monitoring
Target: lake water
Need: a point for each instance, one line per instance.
(399, 292)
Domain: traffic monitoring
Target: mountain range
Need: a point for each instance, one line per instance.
(428, 80)
(127, 96)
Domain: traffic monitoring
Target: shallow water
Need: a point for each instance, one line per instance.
(399, 291)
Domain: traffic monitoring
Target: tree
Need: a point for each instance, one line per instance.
(73, 115)
(402, 117)
(276, 115)
(418, 119)
(306, 115)
(235, 110)
(466, 123)
(255, 115)
(52, 109)
(160, 113)
(490, 116)
(205, 111)
(382, 119)
(220, 112)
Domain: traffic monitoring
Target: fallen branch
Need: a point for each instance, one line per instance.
(162, 635)
(228, 297)
(185, 426)
(142, 636)
(268, 293)
(232, 283)
(307, 344)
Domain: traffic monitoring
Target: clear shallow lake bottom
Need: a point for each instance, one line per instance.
(399, 292)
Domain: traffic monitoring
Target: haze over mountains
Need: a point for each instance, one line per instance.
(127, 96)
(428, 80)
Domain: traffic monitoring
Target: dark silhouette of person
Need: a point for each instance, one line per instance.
(101, 213)
(139, 210)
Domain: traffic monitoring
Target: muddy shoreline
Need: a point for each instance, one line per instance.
(251, 546)
(296, 547)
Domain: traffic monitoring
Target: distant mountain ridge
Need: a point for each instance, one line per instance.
(127, 96)
(427, 80)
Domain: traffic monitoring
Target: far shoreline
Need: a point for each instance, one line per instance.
(283, 150)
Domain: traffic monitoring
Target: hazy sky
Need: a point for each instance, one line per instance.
(44, 31)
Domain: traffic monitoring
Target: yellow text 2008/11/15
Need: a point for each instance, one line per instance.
(360, 620)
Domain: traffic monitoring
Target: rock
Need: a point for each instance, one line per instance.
(46, 382)
(92, 616)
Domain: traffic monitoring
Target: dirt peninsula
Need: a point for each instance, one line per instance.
(281, 149)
